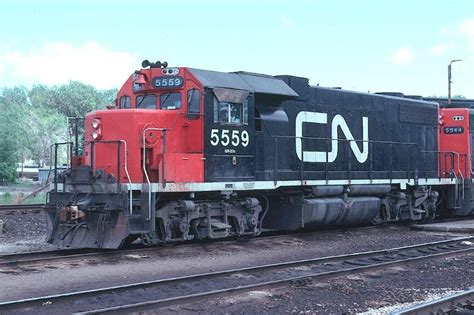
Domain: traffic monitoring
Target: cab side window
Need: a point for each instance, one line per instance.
(230, 113)
(125, 102)
(193, 101)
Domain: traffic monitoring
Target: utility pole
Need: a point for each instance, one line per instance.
(449, 79)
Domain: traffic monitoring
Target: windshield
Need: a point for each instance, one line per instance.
(170, 100)
(146, 101)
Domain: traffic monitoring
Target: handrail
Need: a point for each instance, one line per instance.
(344, 139)
(91, 142)
(460, 174)
(128, 175)
(76, 131)
(267, 131)
(56, 145)
(144, 163)
(164, 131)
(371, 142)
(176, 119)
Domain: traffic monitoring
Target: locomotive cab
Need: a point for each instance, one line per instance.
(153, 136)
(158, 117)
(158, 165)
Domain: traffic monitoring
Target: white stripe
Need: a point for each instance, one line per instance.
(268, 185)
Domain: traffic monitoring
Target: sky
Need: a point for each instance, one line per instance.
(366, 45)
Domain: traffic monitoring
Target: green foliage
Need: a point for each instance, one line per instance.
(47, 128)
(74, 99)
(7, 173)
(8, 149)
(31, 121)
(6, 199)
(13, 124)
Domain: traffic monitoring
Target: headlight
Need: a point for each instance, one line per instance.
(96, 134)
(95, 123)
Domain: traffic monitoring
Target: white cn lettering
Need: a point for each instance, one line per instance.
(338, 121)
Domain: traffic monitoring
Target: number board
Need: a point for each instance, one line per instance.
(168, 82)
(453, 130)
(230, 141)
(227, 137)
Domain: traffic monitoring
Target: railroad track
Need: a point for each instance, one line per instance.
(26, 207)
(443, 220)
(181, 290)
(460, 303)
(35, 257)
(44, 256)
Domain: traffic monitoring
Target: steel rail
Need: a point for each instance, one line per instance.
(15, 259)
(125, 309)
(349, 264)
(184, 299)
(452, 304)
(17, 207)
(50, 255)
(40, 256)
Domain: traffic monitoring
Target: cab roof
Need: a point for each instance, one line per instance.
(252, 82)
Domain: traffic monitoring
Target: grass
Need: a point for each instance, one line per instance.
(6, 198)
(10, 198)
(22, 183)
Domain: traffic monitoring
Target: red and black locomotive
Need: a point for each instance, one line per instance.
(193, 154)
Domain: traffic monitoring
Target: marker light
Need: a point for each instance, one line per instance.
(96, 134)
(95, 123)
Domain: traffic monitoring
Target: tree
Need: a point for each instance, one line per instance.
(48, 127)
(107, 97)
(31, 121)
(16, 108)
(13, 116)
(8, 150)
(75, 99)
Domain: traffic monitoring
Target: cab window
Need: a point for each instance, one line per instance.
(193, 101)
(125, 102)
(170, 101)
(146, 101)
(230, 113)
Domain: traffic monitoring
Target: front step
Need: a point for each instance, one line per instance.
(136, 224)
(219, 229)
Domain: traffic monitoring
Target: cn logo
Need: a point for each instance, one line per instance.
(337, 122)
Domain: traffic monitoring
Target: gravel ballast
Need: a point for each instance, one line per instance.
(368, 292)
(23, 231)
(380, 292)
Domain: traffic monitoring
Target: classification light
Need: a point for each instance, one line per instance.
(95, 123)
(96, 134)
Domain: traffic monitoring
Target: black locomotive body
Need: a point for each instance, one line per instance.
(356, 182)
(395, 138)
(324, 155)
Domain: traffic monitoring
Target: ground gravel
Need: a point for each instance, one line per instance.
(379, 292)
(375, 292)
(23, 231)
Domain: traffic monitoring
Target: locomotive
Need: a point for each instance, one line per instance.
(187, 154)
